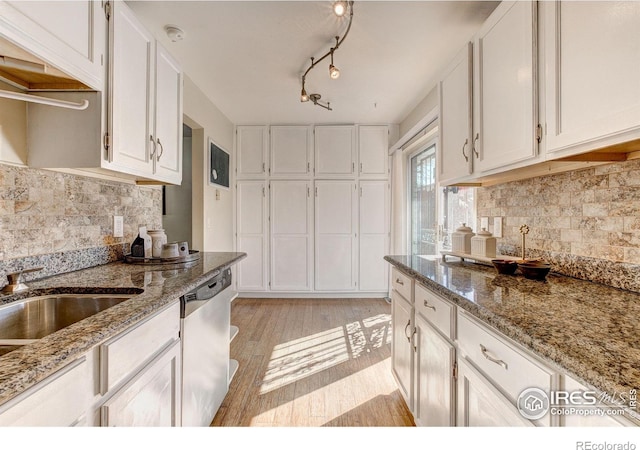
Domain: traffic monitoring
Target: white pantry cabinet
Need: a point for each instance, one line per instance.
(60, 400)
(291, 151)
(373, 240)
(252, 143)
(145, 102)
(592, 93)
(455, 88)
(252, 234)
(373, 151)
(42, 29)
(335, 150)
(291, 207)
(336, 235)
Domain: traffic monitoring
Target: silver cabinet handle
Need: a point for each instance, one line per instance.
(153, 141)
(474, 144)
(405, 331)
(466, 158)
(399, 281)
(427, 305)
(486, 354)
(161, 149)
(415, 346)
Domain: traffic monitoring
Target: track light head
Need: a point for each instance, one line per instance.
(340, 8)
(334, 73)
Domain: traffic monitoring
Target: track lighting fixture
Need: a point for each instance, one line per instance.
(340, 8)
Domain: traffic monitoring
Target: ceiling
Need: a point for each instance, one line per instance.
(248, 56)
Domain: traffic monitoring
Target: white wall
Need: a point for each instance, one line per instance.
(420, 111)
(13, 129)
(212, 217)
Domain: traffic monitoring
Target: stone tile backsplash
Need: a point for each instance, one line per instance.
(46, 213)
(586, 222)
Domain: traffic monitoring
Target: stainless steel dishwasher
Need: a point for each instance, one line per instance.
(205, 316)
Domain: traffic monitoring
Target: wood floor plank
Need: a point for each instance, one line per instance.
(312, 362)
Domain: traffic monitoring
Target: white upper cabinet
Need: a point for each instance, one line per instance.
(455, 89)
(592, 87)
(42, 29)
(505, 87)
(290, 151)
(146, 102)
(251, 151)
(373, 151)
(168, 118)
(335, 150)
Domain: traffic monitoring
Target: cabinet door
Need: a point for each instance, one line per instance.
(505, 87)
(335, 150)
(373, 151)
(480, 404)
(335, 243)
(290, 151)
(251, 151)
(434, 383)
(592, 93)
(252, 235)
(132, 62)
(455, 150)
(374, 236)
(401, 346)
(151, 398)
(291, 235)
(168, 118)
(42, 27)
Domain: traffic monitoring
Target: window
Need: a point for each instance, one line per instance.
(423, 222)
(435, 212)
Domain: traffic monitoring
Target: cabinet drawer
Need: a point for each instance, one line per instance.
(402, 283)
(436, 310)
(511, 370)
(59, 400)
(121, 356)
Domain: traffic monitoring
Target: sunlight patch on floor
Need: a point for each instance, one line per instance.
(309, 355)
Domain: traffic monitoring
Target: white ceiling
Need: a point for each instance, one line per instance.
(248, 56)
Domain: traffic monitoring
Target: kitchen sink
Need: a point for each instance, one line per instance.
(25, 321)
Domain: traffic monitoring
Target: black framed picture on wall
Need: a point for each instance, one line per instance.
(218, 166)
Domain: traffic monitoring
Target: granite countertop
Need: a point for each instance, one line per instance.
(160, 284)
(588, 330)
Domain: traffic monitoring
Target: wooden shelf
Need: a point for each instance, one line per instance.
(233, 332)
(233, 368)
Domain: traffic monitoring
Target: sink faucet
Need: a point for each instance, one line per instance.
(16, 282)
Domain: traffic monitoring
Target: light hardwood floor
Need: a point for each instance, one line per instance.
(312, 362)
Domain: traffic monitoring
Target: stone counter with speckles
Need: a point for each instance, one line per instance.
(586, 330)
(154, 287)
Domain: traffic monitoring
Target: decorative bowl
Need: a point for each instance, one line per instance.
(535, 270)
(505, 266)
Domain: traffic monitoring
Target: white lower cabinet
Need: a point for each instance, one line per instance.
(60, 400)
(252, 234)
(480, 403)
(401, 346)
(151, 398)
(434, 387)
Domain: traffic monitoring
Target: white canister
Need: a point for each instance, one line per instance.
(461, 239)
(148, 243)
(483, 244)
(158, 239)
